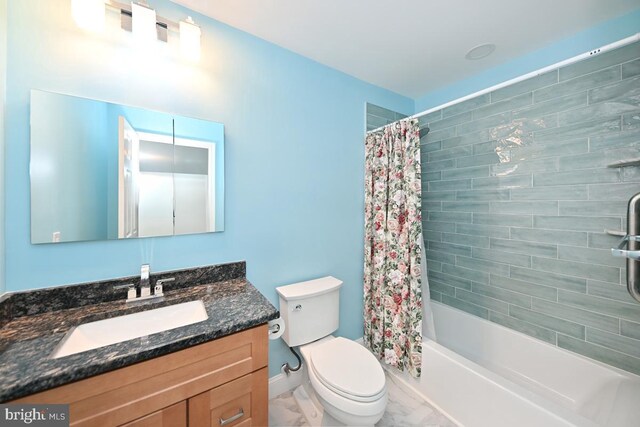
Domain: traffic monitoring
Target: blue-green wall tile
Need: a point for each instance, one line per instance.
(630, 329)
(482, 266)
(580, 84)
(527, 288)
(471, 172)
(630, 69)
(603, 354)
(469, 104)
(622, 344)
(503, 257)
(579, 130)
(562, 103)
(617, 140)
(554, 323)
(579, 269)
(590, 255)
(450, 280)
(629, 311)
(484, 123)
(609, 290)
(465, 306)
(527, 85)
(465, 273)
(546, 278)
(612, 191)
(536, 154)
(503, 219)
(442, 288)
(523, 247)
(577, 223)
(455, 184)
(607, 59)
(483, 301)
(561, 192)
(450, 248)
(466, 206)
(483, 230)
(536, 207)
(578, 315)
(524, 327)
(502, 294)
(515, 181)
(465, 239)
(625, 91)
(502, 106)
(584, 208)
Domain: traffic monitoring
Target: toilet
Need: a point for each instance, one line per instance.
(343, 383)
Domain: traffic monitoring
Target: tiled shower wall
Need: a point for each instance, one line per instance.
(517, 195)
(378, 116)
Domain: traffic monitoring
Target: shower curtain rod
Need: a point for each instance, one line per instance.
(605, 48)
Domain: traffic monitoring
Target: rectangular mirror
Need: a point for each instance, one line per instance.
(103, 171)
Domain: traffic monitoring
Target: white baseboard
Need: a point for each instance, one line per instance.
(282, 383)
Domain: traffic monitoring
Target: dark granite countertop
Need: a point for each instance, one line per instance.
(27, 341)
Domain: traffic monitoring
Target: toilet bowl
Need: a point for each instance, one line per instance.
(343, 383)
(346, 379)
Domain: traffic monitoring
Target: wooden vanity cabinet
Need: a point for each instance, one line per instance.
(220, 383)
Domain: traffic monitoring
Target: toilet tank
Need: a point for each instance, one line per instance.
(310, 310)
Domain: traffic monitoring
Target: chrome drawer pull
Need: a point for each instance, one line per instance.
(232, 419)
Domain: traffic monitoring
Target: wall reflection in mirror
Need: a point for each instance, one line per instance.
(104, 171)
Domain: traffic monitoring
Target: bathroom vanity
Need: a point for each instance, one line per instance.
(209, 373)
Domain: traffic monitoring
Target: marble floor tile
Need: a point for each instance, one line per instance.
(284, 412)
(403, 410)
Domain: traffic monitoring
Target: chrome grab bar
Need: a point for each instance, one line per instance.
(632, 242)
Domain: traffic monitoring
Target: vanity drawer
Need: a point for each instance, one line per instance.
(133, 392)
(173, 416)
(239, 403)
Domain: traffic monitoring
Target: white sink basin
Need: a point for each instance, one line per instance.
(123, 328)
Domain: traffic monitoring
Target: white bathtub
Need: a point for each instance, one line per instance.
(483, 374)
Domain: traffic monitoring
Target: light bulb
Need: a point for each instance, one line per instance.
(89, 14)
(143, 23)
(190, 39)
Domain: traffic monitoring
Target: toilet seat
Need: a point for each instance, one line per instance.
(348, 369)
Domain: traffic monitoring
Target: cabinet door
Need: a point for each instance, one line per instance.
(173, 416)
(238, 403)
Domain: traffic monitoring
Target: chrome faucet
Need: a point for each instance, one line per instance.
(144, 287)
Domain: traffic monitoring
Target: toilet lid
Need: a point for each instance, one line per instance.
(348, 367)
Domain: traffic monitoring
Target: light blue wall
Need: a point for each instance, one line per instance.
(293, 142)
(584, 41)
(3, 74)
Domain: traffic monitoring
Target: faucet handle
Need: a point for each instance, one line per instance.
(157, 290)
(131, 290)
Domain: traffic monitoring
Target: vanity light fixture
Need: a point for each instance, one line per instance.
(139, 18)
(190, 39)
(143, 22)
(89, 14)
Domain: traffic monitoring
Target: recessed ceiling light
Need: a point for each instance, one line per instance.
(481, 51)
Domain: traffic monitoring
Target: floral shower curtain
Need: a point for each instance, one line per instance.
(393, 230)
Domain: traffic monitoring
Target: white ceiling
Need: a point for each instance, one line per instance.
(411, 46)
